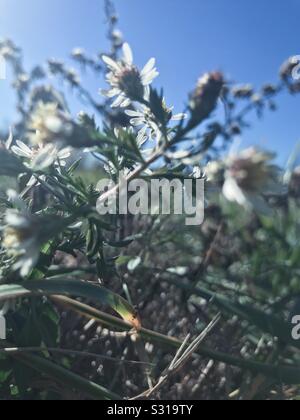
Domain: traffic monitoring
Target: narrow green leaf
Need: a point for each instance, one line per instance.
(267, 322)
(289, 375)
(76, 288)
(65, 377)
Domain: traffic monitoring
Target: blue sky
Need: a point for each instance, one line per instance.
(248, 40)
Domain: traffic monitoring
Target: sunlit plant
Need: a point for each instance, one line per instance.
(96, 306)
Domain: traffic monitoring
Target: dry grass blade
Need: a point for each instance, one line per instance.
(181, 358)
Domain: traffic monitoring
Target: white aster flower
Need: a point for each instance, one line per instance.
(249, 178)
(21, 240)
(127, 82)
(23, 233)
(145, 122)
(41, 157)
(49, 124)
(149, 128)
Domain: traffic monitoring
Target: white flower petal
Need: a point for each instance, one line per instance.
(10, 139)
(118, 101)
(148, 67)
(134, 114)
(142, 132)
(128, 56)
(110, 93)
(16, 220)
(19, 152)
(148, 79)
(54, 124)
(24, 147)
(65, 153)
(137, 121)
(126, 103)
(142, 137)
(32, 182)
(43, 161)
(233, 192)
(146, 95)
(26, 264)
(111, 63)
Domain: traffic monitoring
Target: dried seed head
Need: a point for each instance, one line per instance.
(243, 92)
(204, 98)
(270, 89)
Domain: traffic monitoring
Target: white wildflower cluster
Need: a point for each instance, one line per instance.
(145, 121)
(23, 233)
(247, 178)
(127, 82)
(49, 124)
(41, 157)
(48, 132)
(21, 239)
(130, 85)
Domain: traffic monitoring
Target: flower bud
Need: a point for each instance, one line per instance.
(204, 98)
(78, 54)
(25, 233)
(269, 89)
(243, 92)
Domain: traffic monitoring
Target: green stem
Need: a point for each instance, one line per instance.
(65, 377)
(282, 374)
